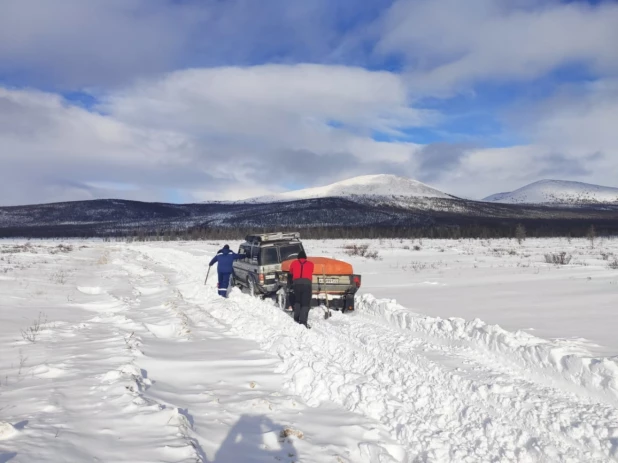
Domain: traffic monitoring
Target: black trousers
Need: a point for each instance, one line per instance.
(302, 300)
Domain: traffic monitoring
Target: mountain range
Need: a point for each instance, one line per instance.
(379, 201)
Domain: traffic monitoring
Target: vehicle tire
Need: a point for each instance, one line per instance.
(253, 291)
(282, 300)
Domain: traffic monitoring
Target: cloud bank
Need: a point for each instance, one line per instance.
(192, 101)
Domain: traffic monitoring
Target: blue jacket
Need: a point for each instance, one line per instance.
(225, 258)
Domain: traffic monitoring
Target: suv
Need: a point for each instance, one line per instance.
(263, 256)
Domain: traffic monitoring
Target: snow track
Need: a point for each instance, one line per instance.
(141, 362)
(445, 392)
(129, 370)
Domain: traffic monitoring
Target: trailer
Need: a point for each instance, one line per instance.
(334, 284)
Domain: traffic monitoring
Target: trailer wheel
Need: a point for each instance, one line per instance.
(348, 303)
(282, 299)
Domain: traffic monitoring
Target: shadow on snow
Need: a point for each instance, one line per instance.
(253, 439)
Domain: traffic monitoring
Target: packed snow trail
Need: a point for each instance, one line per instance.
(129, 370)
(442, 399)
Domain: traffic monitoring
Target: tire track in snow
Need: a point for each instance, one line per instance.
(437, 414)
(146, 315)
(539, 360)
(522, 421)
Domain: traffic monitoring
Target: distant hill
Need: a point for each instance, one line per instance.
(558, 192)
(363, 203)
(384, 186)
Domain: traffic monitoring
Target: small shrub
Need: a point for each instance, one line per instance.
(361, 250)
(64, 248)
(605, 255)
(520, 233)
(591, 235)
(288, 432)
(356, 249)
(416, 247)
(560, 258)
(613, 264)
(32, 332)
(60, 277)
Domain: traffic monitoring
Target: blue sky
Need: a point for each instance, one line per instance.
(190, 100)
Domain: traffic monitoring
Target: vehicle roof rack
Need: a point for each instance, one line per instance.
(272, 237)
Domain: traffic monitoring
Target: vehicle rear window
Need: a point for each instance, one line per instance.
(269, 256)
(289, 251)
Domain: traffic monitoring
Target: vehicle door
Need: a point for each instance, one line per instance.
(270, 262)
(241, 266)
(253, 266)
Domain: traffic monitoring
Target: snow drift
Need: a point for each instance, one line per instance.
(539, 356)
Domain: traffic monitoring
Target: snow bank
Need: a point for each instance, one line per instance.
(549, 358)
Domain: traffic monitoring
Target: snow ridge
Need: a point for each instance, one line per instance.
(558, 192)
(529, 352)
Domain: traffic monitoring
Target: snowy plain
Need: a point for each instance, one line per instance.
(136, 360)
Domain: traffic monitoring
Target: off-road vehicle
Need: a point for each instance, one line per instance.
(263, 256)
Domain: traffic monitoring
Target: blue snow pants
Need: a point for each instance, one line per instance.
(224, 282)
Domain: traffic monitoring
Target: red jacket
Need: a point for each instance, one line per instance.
(301, 268)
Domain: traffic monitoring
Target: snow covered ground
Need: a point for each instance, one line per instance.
(119, 352)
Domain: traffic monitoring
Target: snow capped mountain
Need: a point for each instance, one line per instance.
(558, 192)
(365, 186)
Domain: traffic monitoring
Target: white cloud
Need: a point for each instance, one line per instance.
(230, 133)
(577, 119)
(203, 131)
(261, 113)
(234, 99)
(450, 44)
(70, 44)
(83, 43)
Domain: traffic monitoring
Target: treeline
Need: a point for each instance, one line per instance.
(490, 228)
(518, 231)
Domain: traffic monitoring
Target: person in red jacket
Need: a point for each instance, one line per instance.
(301, 271)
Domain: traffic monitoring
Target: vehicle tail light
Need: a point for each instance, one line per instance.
(261, 278)
(357, 281)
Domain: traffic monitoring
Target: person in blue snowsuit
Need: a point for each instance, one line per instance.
(224, 260)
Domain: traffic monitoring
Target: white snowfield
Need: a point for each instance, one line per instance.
(136, 360)
(558, 192)
(374, 186)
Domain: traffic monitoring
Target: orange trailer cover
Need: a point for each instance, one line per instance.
(323, 266)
